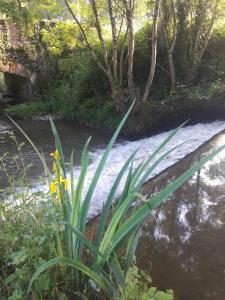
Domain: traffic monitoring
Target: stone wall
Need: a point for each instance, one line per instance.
(27, 58)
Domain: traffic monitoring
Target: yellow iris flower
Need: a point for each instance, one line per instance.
(55, 155)
(53, 188)
(64, 182)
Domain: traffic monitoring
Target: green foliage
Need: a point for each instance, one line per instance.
(32, 109)
(3, 45)
(26, 248)
(142, 54)
(203, 89)
(78, 95)
(93, 112)
(26, 14)
(60, 36)
(138, 286)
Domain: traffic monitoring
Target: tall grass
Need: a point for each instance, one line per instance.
(105, 261)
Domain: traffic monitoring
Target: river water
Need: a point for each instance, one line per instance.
(183, 243)
(181, 255)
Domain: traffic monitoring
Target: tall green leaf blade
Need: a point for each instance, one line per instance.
(155, 164)
(41, 156)
(115, 268)
(131, 250)
(58, 146)
(106, 241)
(107, 205)
(85, 158)
(87, 199)
(87, 243)
(72, 179)
(76, 208)
(156, 152)
(72, 263)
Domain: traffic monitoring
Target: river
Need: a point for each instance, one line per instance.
(175, 251)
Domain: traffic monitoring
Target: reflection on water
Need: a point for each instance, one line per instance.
(184, 242)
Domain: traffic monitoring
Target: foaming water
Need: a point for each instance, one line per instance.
(194, 135)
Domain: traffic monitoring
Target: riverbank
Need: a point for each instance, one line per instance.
(154, 117)
(168, 114)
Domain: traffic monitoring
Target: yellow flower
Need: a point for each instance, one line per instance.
(53, 188)
(55, 155)
(64, 182)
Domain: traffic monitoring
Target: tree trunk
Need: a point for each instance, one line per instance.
(166, 13)
(129, 9)
(120, 97)
(114, 40)
(154, 52)
(201, 39)
(172, 73)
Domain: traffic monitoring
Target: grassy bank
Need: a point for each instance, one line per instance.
(101, 113)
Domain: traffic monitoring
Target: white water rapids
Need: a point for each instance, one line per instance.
(196, 135)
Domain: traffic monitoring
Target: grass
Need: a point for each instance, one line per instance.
(101, 265)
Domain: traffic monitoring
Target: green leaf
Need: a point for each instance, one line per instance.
(131, 249)
(108, 204)
(88, 197)
(58, 146)
(74, 264)
(76, 205)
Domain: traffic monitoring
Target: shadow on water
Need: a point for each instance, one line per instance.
(183, 243)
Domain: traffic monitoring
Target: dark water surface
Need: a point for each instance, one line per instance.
(183, 244)
(73, 136)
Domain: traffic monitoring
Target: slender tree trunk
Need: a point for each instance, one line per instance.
(154, 52)
(172, 73)
(121, 63)
(166, 14)
(100, 36)
(129, 8)
(201, 40)
(98, 62)
(114, 41)
(171, 50)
